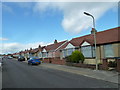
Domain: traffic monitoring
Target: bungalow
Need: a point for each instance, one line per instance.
(33, 52)
(38, 51)
(26, 54)
(51, 51)
(107, 46)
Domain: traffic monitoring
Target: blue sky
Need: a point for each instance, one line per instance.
(29, 24)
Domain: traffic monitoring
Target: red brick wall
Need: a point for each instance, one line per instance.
(118, 65)
(58, 61)
(46, 60)
(54, 61)
(57, 54)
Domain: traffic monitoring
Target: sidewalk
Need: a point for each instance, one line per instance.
(110, 76)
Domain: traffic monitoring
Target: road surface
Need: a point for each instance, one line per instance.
(17, 74)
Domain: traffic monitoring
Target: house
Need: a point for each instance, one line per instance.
(33, 52)
(108, 44)
(26, 54)
(38, 51)
(51, 52)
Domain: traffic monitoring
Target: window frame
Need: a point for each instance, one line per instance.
(104, 46)
(92, 52)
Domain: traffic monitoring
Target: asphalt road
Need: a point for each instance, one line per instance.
(17, 74)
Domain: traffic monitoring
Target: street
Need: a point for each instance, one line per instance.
(17, 74)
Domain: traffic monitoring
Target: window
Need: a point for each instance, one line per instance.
(88, 51)
(44, 54)
(40, 54)
(31, 55)
(64, 53)
(108, 50)
(69, 51)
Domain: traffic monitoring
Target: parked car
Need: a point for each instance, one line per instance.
(21, 58)
(9, 57)
(34, 61)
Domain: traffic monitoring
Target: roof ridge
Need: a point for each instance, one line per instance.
(61, 45)
(108, 30)
(56, 43)
(96, 32)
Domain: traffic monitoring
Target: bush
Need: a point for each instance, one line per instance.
(68, 58)
(76, 57)
(112, 64)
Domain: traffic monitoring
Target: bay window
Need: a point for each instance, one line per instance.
(40, 54)
(88, 51)
(44, 54)
(108, 50)
(67, 52)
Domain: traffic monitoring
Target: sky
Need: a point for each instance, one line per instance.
(29, 24)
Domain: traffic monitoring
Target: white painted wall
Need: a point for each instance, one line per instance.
(85, 44)
(44, 50)
(69, 46)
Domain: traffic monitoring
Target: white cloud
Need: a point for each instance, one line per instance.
(74, 21)
(2, 39)
(16, 47)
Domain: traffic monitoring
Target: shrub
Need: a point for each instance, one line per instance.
(77, 57)
(112, 64)
(68, 58)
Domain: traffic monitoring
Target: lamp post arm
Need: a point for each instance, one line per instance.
(93, 21)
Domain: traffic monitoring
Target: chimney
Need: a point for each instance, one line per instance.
(39, 46)
(93, 30)
(55, 41)
(30, 48)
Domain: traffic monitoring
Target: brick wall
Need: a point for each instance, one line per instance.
(54, 61)
(46, 60)
(58, 61)
(118, 64)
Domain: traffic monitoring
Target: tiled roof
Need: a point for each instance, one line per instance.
(36, 50)
(64, 46)
(54, 46)
(103, 37)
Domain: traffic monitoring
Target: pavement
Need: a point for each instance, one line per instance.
(110, 76)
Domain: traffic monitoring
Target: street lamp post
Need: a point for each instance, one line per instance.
(94, 38)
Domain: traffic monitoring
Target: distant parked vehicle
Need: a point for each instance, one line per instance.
(9, 57)
(21, 58)
(34, 61)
